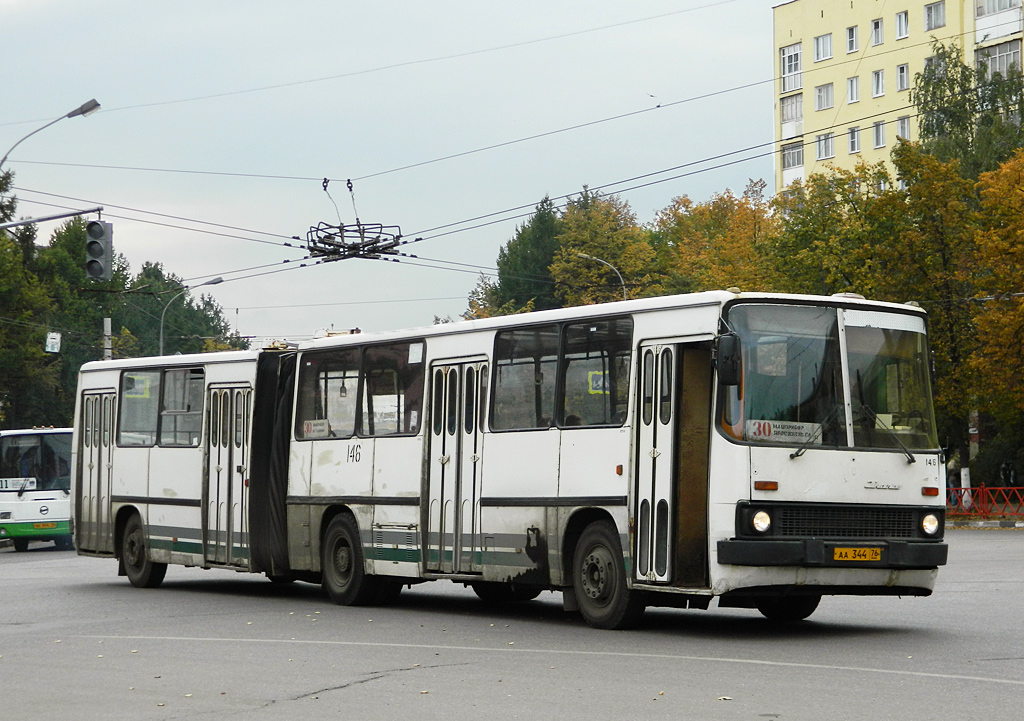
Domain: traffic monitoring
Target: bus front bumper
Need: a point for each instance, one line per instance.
(812, 552)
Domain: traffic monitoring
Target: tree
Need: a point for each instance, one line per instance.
(998, 359)
(717, 244)
(523, 262)
(967, 114)
(603, 227)
(830, 227)
(484, 302)
(28, 377)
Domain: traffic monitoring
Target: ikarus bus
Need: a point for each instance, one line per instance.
(35, 486)
(758, 450)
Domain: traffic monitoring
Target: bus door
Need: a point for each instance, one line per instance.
(656, 452)
(93, 522)
(225, 520)
(458, 395)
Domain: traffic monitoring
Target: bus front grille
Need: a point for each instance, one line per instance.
(845, 522)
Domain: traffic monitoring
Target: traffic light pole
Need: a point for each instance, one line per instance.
(73, 214)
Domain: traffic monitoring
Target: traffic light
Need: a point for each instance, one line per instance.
(99, 250)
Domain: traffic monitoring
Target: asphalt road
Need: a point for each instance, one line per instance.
(77, 642)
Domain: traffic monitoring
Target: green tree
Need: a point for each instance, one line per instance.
(523, 262)
(603, 227)
(967, 114)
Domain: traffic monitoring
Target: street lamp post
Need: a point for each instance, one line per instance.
(590, 257)
(181, 292)
(84, 110)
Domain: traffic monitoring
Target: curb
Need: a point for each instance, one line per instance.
(985, 524)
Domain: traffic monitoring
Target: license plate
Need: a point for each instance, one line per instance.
(44, 525)
(857, 554)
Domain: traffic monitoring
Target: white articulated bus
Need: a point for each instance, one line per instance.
(764, 450)
(35, 486)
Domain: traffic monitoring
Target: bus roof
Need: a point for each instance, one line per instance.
(35, 431)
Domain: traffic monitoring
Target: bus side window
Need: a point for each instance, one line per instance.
(328, 392)
(595, 372)
(181, 413)
(392, 389)
(140, 409)
(526, 364)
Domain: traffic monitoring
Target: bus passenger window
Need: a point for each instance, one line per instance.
(328, 394)
(595, 372)
(392, 389)
(140, 408)
(525, 363)
(181, 412)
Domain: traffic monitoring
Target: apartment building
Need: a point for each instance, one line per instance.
(844, 70)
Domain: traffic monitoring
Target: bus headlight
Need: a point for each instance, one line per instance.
(761, 521)
(930, 524)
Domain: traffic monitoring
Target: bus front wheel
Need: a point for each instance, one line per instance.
(599, 579)
(787, 609)
(344, 576)
(141, 572)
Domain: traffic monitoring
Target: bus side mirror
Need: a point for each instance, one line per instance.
(730, 359)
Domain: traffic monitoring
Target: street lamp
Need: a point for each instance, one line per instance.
(184, 290)
(590, 257)
(84, 110)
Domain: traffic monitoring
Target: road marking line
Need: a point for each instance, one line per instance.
(570, 652)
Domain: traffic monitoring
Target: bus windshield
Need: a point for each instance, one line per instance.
(793, 390)
(44, 460)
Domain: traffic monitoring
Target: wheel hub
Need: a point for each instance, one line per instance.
(595, 576)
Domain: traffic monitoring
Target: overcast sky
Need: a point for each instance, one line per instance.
(225, 116)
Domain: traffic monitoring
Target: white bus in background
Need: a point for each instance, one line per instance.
(35, 486)
(758, 450)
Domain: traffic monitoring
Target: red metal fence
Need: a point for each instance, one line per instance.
(985, 503)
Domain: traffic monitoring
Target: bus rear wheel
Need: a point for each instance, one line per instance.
(787, 609)
(599, 579)
(344, 576)
(141, 572)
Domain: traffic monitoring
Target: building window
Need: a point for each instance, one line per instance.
(791, 108)
(852, 90)
(989, 7)
(791, 75)
(877, 32)
(825, 146)
(823, 47)
(879, 134)
(877, 83)
(902, 25)
(854, 134)
(851, 39)
(792, 156)
(903, 77)
(935, 15)
(823, 97)
(999, 58)
(903, 127)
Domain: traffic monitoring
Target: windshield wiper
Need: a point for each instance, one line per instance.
(866, 409)
(814, 436)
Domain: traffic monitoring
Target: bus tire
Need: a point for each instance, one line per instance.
(786, 609)
(499, 594)
(141, 572)
(344, 576)
(20, 544)
(599, 579)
